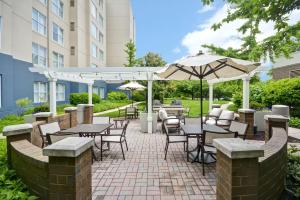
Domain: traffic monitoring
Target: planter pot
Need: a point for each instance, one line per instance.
(259, 119)
(29, 119)
(144, 122)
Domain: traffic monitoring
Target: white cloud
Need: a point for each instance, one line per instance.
(176, 50)
(206, 8)
(227, 35)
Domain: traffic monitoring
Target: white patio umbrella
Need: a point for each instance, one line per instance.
(208, 67)
(133, 85)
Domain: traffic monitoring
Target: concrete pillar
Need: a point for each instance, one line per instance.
(15, 133)
(90, 92)
(52, 95)
(211, 95)
(237, 168)
(70, 168)
(247, 117)
(149, 117)
(73, 115)
(272, 121)
(44, 116)
(246, 92)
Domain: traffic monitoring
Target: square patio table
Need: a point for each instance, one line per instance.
(192, 130)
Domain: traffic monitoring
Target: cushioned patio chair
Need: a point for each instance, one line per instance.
(130, 112)
(213, 114)
(49, 128)
(172, 122)
(239, 129)
(173, 138)
(115, 138)
(224, 120)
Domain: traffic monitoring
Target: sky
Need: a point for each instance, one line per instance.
(175, 29)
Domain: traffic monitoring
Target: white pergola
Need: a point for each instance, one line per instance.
(87, 75)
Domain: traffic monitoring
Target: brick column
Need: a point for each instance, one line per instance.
(275, 121)
(88, 114)
(44, 116)
(73, 115)
(16, 133)
(70, 173)
(247, 117)
(237, 168)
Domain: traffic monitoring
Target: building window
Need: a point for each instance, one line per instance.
(101, 55)
(72, 26)
(99, 91)
(58, 8)
(94, 50)
(60, 92)
(72, 3)
(94, 66)
(58, 34)
(58, 60)
(0, 31)
(93, 10)
(39, 55)
(101, 20)
(0, 90)
(72, 50)
(43, 2)
(40, 92)
(101, 38)
(94, 30)
(39, 22)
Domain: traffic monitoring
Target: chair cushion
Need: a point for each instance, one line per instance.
(177, 138)
(173, 121)
(226, 114)
(223, 122)
(111, 138)
(162, 113)
(49, 128)
(216, 112)
(211, 121)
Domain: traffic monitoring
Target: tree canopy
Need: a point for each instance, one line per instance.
(130, 50)
(151, 60)
(285, 40)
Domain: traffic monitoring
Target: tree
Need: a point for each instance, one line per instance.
(151, 60)
(130, 51)
(285, 40)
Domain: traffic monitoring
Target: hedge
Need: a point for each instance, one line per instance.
(117, 96)
(83, 98)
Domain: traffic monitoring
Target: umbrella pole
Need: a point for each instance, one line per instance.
(201, 104)
(131, 98)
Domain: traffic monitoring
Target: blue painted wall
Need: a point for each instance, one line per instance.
(17, 82)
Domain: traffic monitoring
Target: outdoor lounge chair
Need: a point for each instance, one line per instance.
(213, 114)
(173, 138)
(115, 138)
(224, 120)
(49, 128)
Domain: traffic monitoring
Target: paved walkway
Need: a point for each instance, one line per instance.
(146, 175)
(116, 109)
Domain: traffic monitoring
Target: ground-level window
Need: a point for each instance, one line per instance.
(99, 91)
(40, 92)
(60, 92)
(0, 90)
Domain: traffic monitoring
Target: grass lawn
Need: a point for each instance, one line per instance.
(107, 105)
(10, 120)
(194, 106)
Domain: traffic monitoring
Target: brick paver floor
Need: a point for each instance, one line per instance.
(146, 175)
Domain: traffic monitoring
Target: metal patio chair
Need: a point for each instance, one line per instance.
(49, 128)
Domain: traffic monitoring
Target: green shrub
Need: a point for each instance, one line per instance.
(294, 122)
(109, 104)
(117, 96)
(11, 186)
(293, 172)
(83, 98)
(41, 108)
(238, 99)
(139, 96)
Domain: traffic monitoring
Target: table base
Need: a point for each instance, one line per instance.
(208, 159)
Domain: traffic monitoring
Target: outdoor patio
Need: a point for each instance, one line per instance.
(146, 175)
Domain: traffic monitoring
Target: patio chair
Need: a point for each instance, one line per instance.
(173, 138)
(186, 112)
(172, 122)
(156, 102)
(239, 129)
(101, 120)
(49, 128)
(213, 114)
(176, 103)
(224, 120)
(115, 138)
(130, 112)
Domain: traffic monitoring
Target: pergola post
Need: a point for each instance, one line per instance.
(211, 95)
(246, 92)
(90, 92)
(149, 118)
(52, 95)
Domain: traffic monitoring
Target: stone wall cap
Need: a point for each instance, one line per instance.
(68, 147)
(246, 110)
(280, 106)
(70, 109)
(236, 148)
(84, 105)
(43, 114)
(277, 118)
(17, 129)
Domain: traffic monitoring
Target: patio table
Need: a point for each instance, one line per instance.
(192, 130)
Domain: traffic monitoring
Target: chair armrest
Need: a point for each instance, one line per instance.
(225, 119)
(110, 135)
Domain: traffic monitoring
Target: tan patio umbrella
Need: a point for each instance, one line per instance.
(207, 67)
(133, 85)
